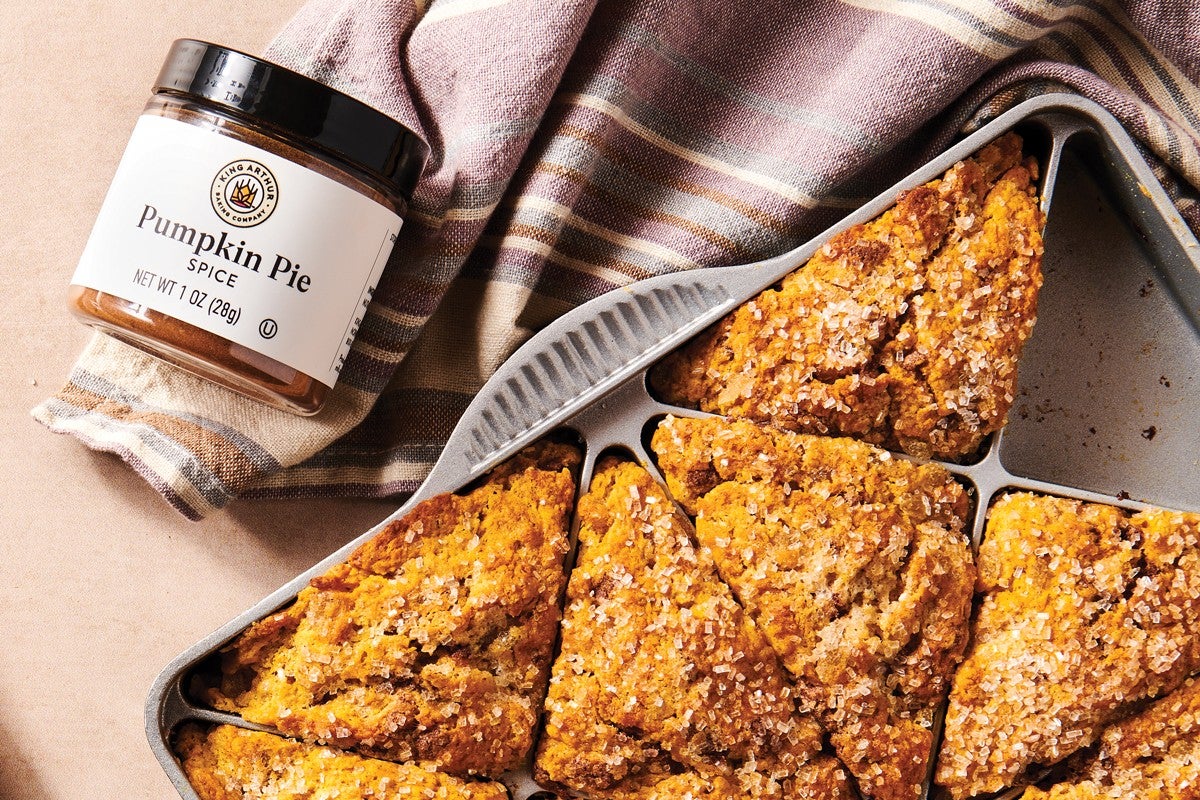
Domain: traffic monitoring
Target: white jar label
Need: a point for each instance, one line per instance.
(240, 242)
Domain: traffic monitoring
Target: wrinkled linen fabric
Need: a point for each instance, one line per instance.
(579, 146)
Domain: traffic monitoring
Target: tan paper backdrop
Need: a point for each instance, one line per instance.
(101, 583)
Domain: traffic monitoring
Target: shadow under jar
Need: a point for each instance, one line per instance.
(247, 225)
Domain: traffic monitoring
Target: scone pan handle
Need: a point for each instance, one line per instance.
(586, 371)
(587, 353)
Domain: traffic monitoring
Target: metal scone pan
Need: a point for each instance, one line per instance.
(1108, 406)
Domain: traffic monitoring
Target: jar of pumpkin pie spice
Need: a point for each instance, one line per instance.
(247, 225)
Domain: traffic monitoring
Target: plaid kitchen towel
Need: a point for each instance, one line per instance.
(578, 146)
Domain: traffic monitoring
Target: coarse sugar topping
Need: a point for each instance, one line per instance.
(433, 641)
(903, 331)
(664, 687)
(1085, 609)
(853, 564)
(1153, 754)
(228, 763)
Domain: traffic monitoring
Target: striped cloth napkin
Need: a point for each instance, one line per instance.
(579, 146)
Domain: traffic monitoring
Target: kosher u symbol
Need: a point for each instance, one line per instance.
(268, 328)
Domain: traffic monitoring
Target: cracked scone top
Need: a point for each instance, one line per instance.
(1154, 754)
(228, 763)
(854, 565)
(664, 688)
(903, 331)
(1086, 609)
(433, 641)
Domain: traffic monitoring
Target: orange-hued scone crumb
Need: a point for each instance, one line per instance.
(903, 331)
(228, 763)
(1154, 755)
(854, 565)
(664, 688)
(433, 641)
(1085, 610)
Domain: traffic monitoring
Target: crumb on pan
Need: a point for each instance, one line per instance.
(854, 565)
(903, 331)
(664, 688)
(229, 763)
(1153, 754)
(1085, 610)
(433, 641)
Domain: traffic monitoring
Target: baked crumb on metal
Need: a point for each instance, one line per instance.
(664, 688)
(229, 763)
(854, 565)
(432, 641)
(904, 331)
(1154, 754)
(1086, 609)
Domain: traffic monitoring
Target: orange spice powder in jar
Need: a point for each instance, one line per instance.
(247, 225)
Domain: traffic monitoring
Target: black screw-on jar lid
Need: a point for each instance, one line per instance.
(335, 122)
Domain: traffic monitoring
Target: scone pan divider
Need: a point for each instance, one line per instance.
(586, 372)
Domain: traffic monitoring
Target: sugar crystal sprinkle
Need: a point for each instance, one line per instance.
(224, 762)
(407, 650)
(1155, 753)
(903, 331)
(854, 566)
(722, 722)
(1085, 610)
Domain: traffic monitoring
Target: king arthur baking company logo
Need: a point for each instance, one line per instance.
(244, 193)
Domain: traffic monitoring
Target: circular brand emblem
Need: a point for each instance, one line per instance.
(244, 193)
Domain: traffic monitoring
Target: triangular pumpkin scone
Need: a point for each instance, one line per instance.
(1154, 755)
(228, 763)
(433, 641)
(664, 688)
(855, 566)
(903, 331)
(1086, 610)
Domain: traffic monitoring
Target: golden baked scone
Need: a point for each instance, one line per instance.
(903, 331)
(228, 763)
(433, 641)
(854, 565)
(1154, 755)
(664, 688)
(1085, 610)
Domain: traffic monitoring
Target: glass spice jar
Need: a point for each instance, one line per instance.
(247, 225)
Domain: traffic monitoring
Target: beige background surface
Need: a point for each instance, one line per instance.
(101, 582)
